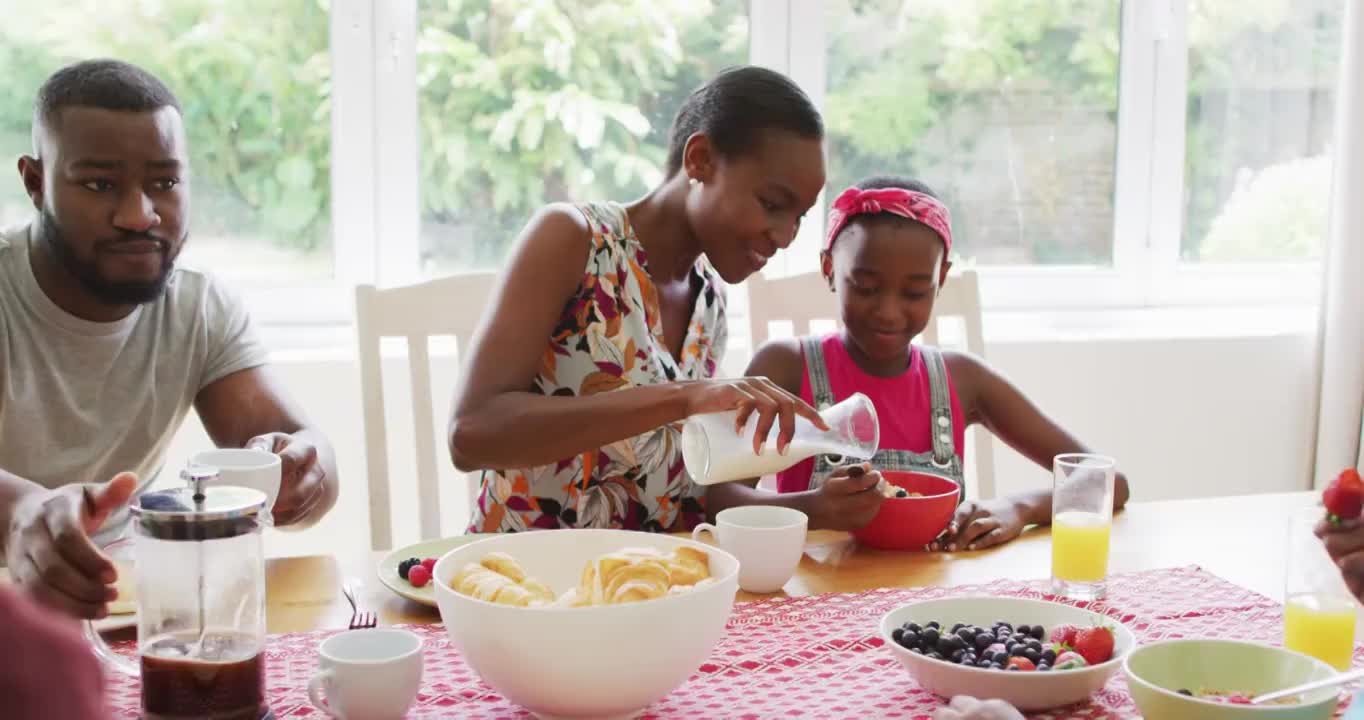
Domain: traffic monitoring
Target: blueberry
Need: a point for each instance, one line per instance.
(969, 659)
(1018, 637)
(1019, 650)
(1024, 629)
(1049, 656)
(935, 656)
(909, 639)
(967, 635)
(934, 625)
(1001, 658)
(913, 627)
(916, 651)
(1012, 668)
(898, 635)
(1009, 646)
(957, 656)
(1002, 624)
(1039, 632)
(1185, 692)
(929, 636)
(957, 627)
(984, 640)
(996, 666)
(984, 663)
(945, 645)
(1032, 655)
(1034, 644)
(1043, 667)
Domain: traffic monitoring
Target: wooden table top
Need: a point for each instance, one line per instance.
(1239, 538)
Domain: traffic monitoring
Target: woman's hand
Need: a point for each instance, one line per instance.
(751, 395)
(979, 525)
(847, 500)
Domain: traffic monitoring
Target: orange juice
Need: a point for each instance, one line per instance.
(1079, 546)
(1321, 627)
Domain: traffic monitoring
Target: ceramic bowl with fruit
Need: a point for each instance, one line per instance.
(600, 624)
(917, 508)
(1032, 654)
(1215, 679)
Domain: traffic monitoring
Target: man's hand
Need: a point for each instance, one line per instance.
(49, 550)
(301, 475)
(968, 708)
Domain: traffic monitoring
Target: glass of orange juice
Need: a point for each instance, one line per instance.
(1081, 517)
(1319, 611)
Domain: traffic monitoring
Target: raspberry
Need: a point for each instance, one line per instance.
(429, 564)
(418, 575)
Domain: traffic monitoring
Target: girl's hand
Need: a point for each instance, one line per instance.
(848, 499)
(1345, 544)
(979, 525)
(749, 395)
(969, 708)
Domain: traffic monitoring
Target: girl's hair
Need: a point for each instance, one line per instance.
(881, 182)
(738, 104)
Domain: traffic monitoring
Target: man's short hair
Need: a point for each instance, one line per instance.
(105, 84)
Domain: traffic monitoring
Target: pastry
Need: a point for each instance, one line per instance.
(624, 576)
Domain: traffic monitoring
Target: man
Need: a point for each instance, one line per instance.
(105, 344)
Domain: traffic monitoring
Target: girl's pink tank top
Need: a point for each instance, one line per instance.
(903, 406)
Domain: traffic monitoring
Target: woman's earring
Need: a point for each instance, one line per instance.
(693, 181)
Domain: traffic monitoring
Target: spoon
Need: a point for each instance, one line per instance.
(1341, 679)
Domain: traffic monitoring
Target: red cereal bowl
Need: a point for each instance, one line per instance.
(913, 522)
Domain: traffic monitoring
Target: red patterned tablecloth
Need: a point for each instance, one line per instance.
(809, 657)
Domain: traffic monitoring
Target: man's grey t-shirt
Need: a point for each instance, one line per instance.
(81, 401)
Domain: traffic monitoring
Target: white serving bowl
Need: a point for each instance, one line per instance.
(1156, 673)
(1027, 691)
(592, 662)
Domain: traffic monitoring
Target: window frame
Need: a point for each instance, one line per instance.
(375, 173)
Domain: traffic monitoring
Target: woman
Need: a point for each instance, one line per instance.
(609, 322)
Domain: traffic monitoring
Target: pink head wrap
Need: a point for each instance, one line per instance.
(917, 206)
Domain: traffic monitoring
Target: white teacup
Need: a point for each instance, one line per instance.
(768, 540)
(369, 674)
(244, 467)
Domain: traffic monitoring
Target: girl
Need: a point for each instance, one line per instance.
(885, 257)
(609, 322)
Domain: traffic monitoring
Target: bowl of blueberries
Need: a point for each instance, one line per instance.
(1033, 654)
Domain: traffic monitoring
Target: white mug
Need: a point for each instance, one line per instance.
(244, 467)
(768, 541)
(369, 674)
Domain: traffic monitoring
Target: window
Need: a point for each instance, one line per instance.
(520, 104)
(1262, 79)
(252, 77)
(1007, 108)
(1095, 153)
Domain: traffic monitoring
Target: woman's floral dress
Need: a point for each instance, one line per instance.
(609, 338)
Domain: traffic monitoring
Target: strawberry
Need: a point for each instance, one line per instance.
(1021, 663)
(1064, 635)
(429, 564)
(1095, 644)
(1069, 661)
(1344, 497)
(418, 575)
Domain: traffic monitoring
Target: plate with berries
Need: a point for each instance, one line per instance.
(407, 571)
(1033, 654)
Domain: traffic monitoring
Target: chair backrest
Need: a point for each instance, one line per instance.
(450, 306)
(803, 298)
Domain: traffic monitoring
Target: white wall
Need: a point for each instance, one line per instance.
(1186, 417)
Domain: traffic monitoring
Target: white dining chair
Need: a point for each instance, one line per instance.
(805, 298)
(450, 306)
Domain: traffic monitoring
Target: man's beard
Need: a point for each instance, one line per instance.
(87, 273)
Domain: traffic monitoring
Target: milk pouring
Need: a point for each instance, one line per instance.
(715, 453)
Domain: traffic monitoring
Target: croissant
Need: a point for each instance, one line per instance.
(498, 578)
(624, 576)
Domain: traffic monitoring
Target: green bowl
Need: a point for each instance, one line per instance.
(1157, 671)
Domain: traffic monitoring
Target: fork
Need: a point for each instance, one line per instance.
(358, 620)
